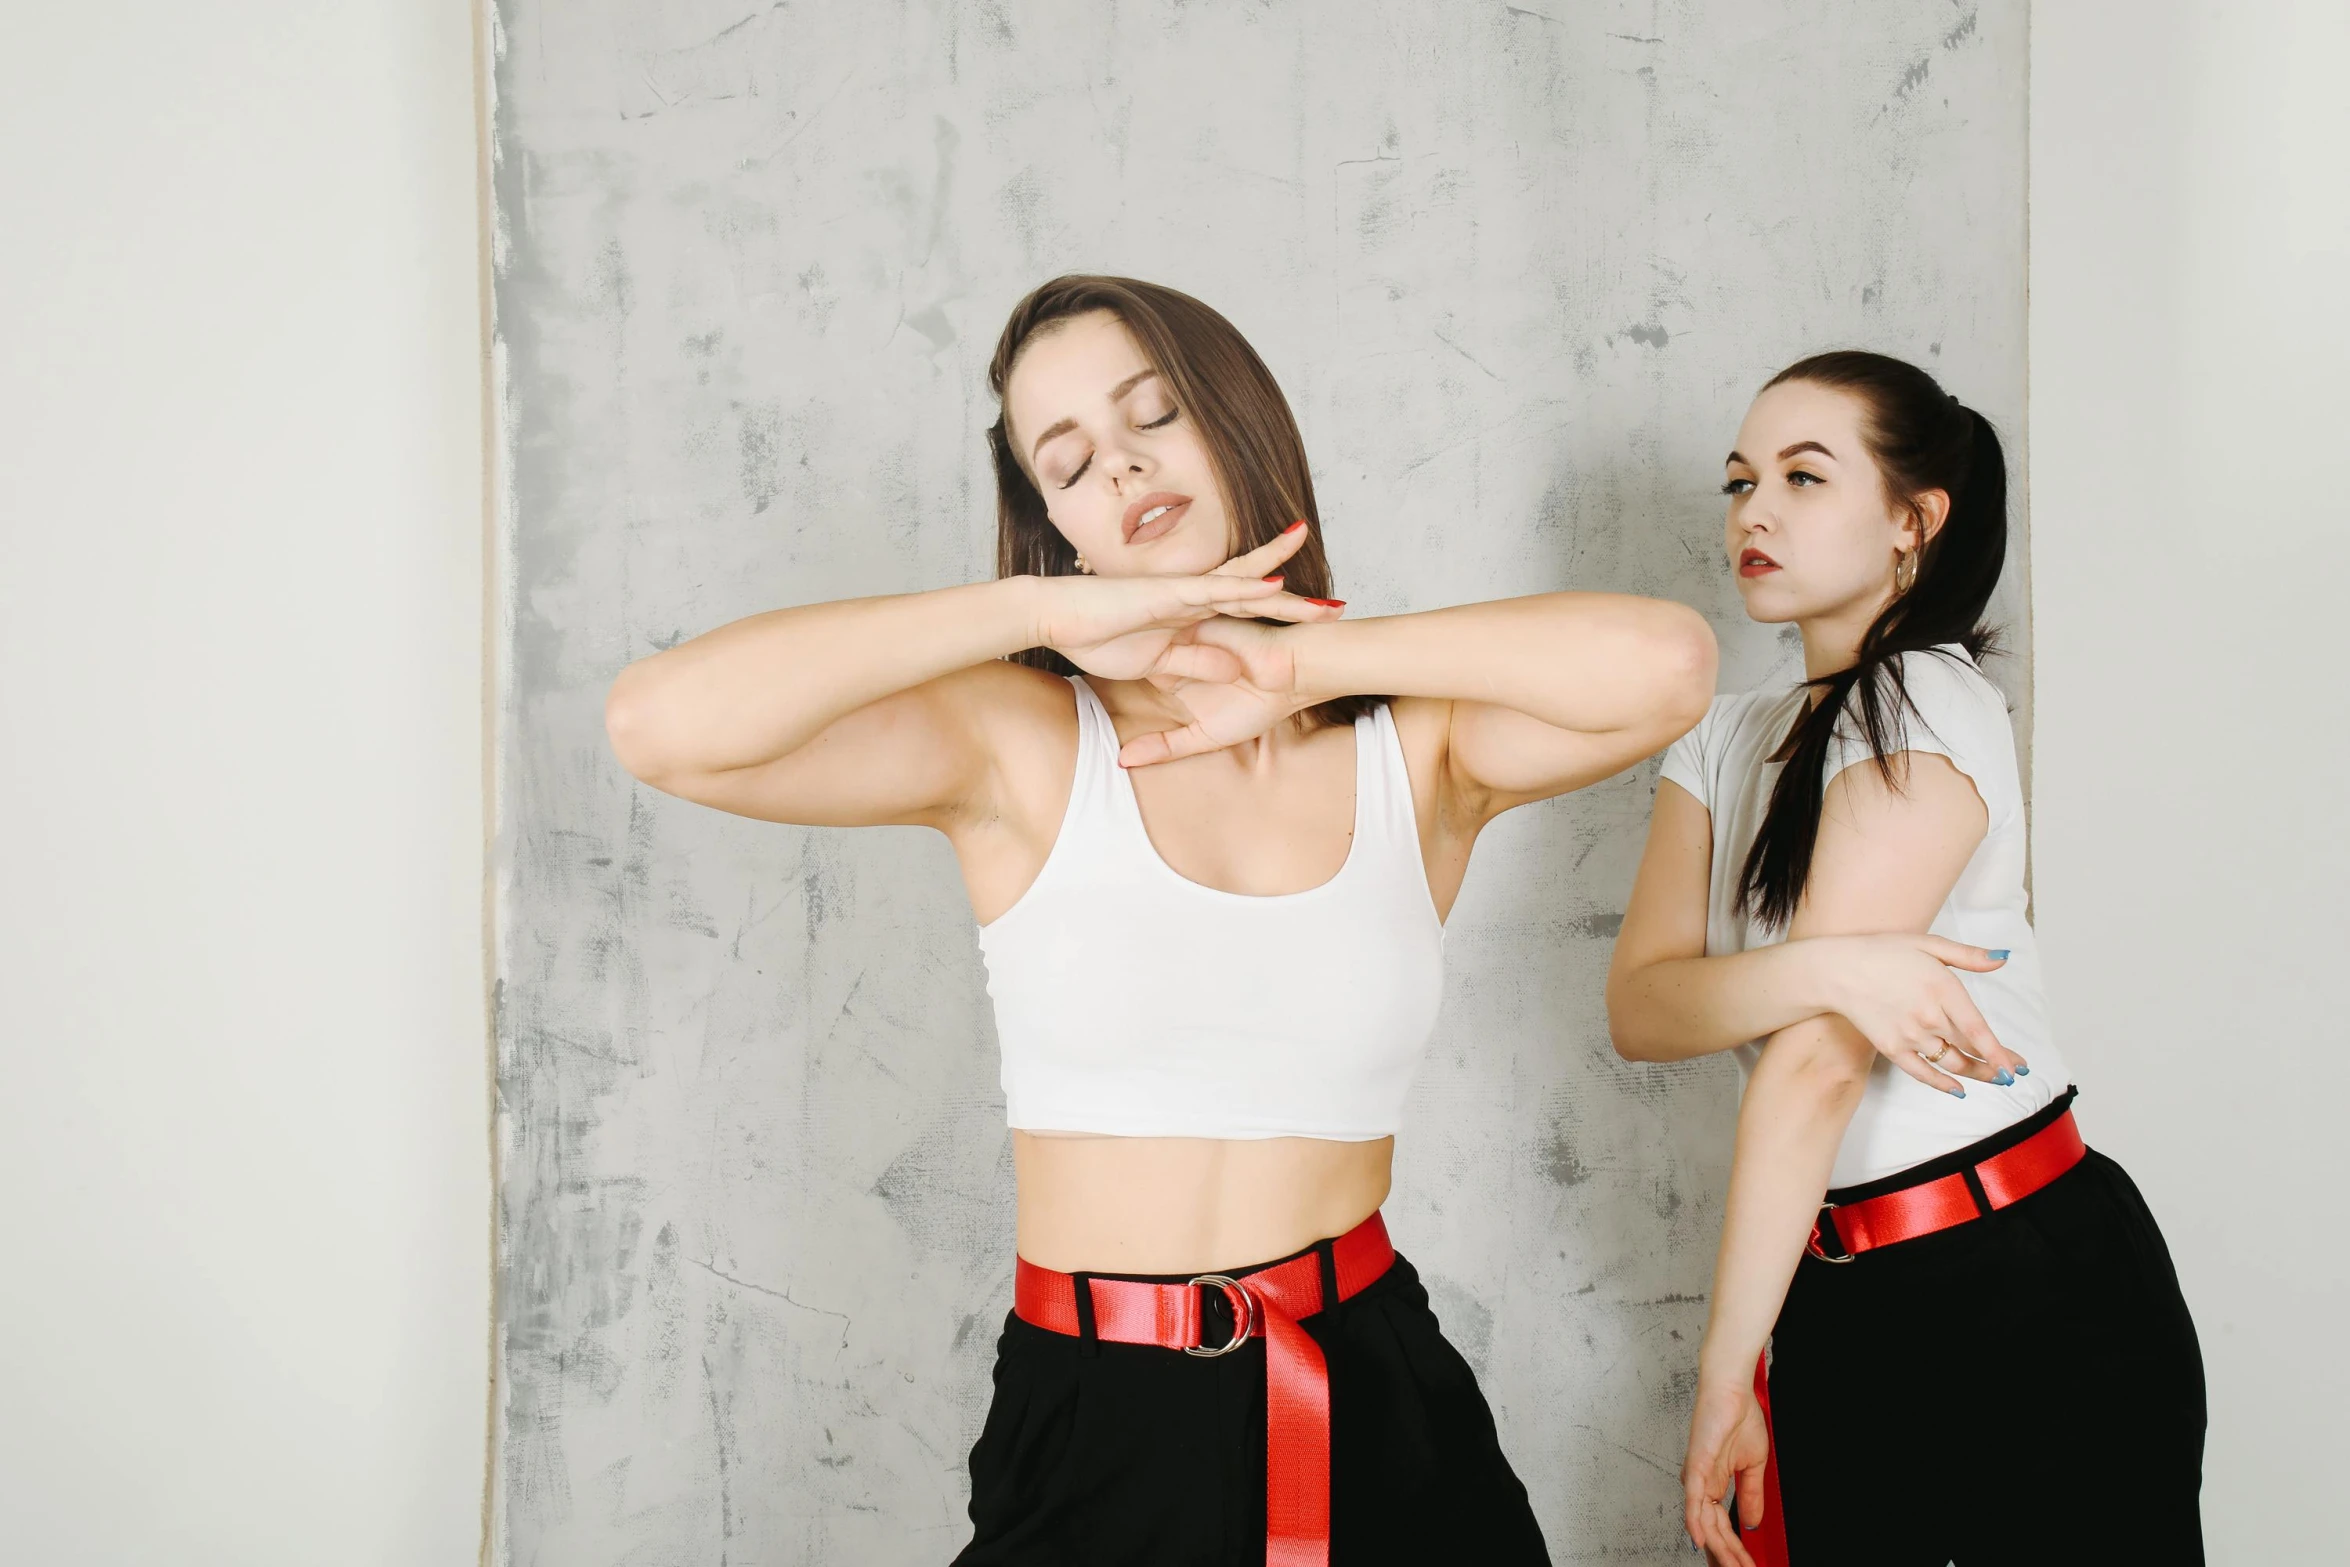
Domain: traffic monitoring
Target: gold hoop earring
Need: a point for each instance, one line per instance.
(1905, 572)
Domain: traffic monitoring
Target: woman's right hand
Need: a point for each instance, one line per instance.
(1129, 628)
(1899, 991)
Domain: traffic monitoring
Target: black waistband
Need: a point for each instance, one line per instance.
(1958, 1159)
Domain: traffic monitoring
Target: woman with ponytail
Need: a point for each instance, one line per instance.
(1834, 887)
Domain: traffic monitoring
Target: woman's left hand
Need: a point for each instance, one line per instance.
(1239, 680)
(1728, 1441)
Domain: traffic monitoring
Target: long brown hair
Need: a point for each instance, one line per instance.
(1220, 384)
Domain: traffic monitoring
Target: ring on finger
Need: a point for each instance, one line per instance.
(1941, 1050)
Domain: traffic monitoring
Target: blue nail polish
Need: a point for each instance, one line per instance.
(1999, 956)
(2023, 1071)
(1958, 1093)
(2005, 1079)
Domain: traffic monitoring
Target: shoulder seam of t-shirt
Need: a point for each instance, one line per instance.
(1848, 722)
(1850, 746)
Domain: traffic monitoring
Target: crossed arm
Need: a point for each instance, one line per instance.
(1854, 952)
(900, 710)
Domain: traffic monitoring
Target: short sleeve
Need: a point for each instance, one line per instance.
(1686, 758)
(1953, 711)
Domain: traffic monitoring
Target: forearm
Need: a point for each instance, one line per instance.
(1592, 662)
(1801, 1098)
(761, 687)
(1677, 1008)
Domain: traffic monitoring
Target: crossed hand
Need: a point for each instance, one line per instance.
(1197, 639)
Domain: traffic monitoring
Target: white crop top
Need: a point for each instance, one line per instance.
(1132, 1001)
(1959, 714)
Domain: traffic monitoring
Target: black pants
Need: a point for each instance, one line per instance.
(2026, 1388)
(1126, 1453)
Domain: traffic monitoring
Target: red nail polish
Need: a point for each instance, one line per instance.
(1276, 577)
(1293, 527)
(1329, 603)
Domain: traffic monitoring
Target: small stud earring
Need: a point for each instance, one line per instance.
(1083, 568)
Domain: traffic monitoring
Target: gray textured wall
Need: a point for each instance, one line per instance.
(1519, 267)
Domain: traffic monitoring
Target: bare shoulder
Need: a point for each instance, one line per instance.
(1422, 724)
(1000, 690)
(1011, 707)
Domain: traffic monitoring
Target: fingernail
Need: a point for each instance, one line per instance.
(2023, 1071)
(1293, 527)
(2000, 956)
(2005, 1078)
(1329, 603)
(1957, 1093)
(1276, 577)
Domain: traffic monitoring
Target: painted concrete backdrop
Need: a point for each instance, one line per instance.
(1519, 268)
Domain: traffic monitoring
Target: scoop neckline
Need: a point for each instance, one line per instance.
(1150, 848)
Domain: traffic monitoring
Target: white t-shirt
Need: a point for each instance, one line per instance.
(1958, 714)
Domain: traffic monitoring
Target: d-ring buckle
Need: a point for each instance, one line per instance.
(1812, 1246)
(1244, 1315)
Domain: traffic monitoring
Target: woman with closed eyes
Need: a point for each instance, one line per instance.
(1210, 831)
(1978, 1349)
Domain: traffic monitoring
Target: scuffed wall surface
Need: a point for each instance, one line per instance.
(1519, 268)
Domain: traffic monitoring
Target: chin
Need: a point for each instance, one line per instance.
(1766, 606)
(1192, 550)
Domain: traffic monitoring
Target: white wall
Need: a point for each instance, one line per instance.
(244, 1261)
(2189, 421)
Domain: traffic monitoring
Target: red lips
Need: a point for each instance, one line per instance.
(1754, 563)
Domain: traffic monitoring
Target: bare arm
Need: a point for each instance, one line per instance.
(1537, 695)
(846, 714)
(1668, 1001)
(890, 710)
(1547, 693)
(1885, 861)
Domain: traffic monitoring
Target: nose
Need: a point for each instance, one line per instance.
(1124, 466)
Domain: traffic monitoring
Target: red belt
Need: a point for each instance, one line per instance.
(2007, 1176)
(1266, 1304)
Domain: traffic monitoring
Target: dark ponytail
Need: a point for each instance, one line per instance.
(1922, 439)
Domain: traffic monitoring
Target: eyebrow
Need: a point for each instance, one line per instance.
(1053, 431)
(1785, 452)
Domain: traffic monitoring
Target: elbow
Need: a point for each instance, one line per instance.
(1827, 1077)
(1687, 659)
(1623, 1031)
(1629, 1045)
(629, 727)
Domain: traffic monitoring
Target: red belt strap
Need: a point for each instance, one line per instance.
(2007, 1176)
(1266, 1304)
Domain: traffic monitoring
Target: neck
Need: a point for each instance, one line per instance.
(1161, 709)
(1831, 642)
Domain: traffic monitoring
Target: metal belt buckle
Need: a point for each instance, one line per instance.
(1244, 1315)
(1812, 1246)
